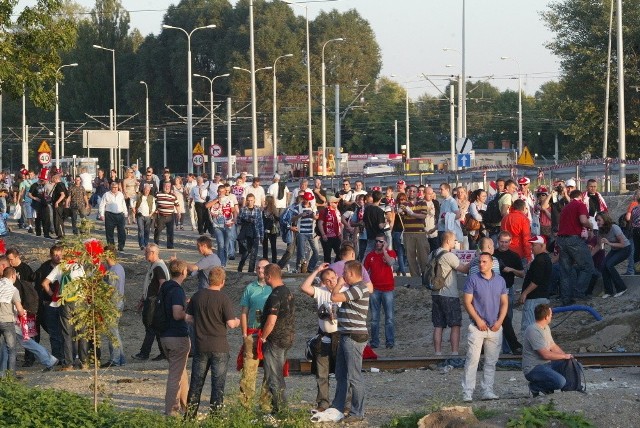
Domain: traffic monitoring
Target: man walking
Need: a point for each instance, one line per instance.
(166, 203)
(486, 302)
(113, 210)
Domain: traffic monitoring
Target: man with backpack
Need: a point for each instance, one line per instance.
(498, 208)
(542, 359)
(445, 297)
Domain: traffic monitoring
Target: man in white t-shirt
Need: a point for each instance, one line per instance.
(257, 190)
(323, 354)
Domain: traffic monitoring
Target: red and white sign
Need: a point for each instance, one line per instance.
(44, 158)
(215, 151)
(465, 256)
(198, 160)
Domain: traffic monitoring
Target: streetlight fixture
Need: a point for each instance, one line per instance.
(211, 80)
(324, 108)
(189, 89)
(249, 71)
(146, 151)
(275, 113)
(75, 64)
(519, 101)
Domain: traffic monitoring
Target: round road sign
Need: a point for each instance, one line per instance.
(464, 145)
(198, 160)
(44, 158)
(215, 151)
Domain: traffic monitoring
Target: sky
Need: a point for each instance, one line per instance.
(413, 33)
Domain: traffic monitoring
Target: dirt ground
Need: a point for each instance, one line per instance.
(612, 398)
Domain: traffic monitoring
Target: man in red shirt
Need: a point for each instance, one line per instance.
(576, 264)
(330, 229)
(518, 225)
(379, 263)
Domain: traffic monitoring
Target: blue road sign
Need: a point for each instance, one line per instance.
(464, 160)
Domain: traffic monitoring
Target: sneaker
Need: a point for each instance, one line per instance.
(159, 357)
(351, 419)
(606, 296)
(489, 396)
(108, 364)
(140, 357)
(467, 397)
(30, 229)
(620, 293)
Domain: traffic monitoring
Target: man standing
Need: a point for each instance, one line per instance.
(198, 197)
(379, 263)
(166, 203)
(203, 267)
(277, 325)
(416, 245)
(257, 191)
(58, 197)
(352, 325)
(175, 339)
(113, 210)
(156, 275)
(535, 289)
(324, 356)
(330, 231)
(518, 225)
(306, 217)
(593, 199)
(445, 310)
(374, 220)
(115, 278)
(48, 310)
(211, 313)
(486, 302)
(280, 193)
(541, 357)
(251, 305)
(431, 219)
(448, 205)
(77, 202)
(39, 202)
(28, 295)
(576, 264)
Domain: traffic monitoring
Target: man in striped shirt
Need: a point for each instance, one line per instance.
(352, 325)
(166, 203)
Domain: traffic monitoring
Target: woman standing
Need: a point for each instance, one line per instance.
(129, 188)
(180, 192)
(462, 198)
(270, 220)
(610, 234)
(477, 207)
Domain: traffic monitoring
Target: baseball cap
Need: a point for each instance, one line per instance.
(542, 190)
(570, 183)
(537, 239)
(308, 196)
(400, 182)
(523, 181)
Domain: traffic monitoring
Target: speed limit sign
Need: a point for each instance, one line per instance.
(198, 160)
(44, 158)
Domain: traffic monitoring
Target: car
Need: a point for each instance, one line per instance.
(372, 168)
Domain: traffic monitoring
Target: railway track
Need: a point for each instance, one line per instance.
(303, 366)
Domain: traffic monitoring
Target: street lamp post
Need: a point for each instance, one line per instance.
(324, 107)
(146, 151)
(519, 102)
(75, 64)
(211, 80)
(115, 115)
(189, 89)
(275, 113)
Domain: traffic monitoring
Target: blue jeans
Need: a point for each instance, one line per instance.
(202, 361)
(39, 351)
(8, 338)
(117, 353)
(546, 377)
(220, 233)
(630, 270)
(301, 255)
(384, 299)
(528, 316)
(144, 228)
(398, 247)
(574, 253)
(273, 363)
(230, 240)
(610, 277)
(556, 280)
(349, 375)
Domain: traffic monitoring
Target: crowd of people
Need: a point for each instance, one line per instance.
(559, 240)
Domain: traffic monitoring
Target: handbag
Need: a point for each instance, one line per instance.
(17, 214)
(470, 223)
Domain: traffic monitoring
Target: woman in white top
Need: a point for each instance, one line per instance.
(477, 207)
(463, 206)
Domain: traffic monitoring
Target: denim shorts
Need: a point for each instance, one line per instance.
(446, 312)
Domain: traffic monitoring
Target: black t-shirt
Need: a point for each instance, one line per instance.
(24, 284)
(40, 274)
(152, 183)
(38, 190)
(540, 274)
(175, 296)
(58, 190)
(508, 259)
(154, 285)
(211, 309)
(556, 209)
(280, 303)
(373, 216)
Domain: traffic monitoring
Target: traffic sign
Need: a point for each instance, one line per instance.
(44, 147)
(198, 150)
(464, 160)
(44, 158)
(215, 151)
(525, 158)
(198, 160)
(464, 145)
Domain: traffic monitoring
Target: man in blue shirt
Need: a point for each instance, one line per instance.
(486, 302)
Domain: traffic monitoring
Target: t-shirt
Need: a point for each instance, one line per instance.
(157, 274)
(166, 203)
(474, 265)
(9, 295)
(448, 262)
(175, 296)
(380, 272)
(338, 268)
(117, 277)
(373, 216)
(352, 314)
(570, 218)
(449, 205)
(613, 234)
(323, 298)
(486, 295)
(331, 222)
(205, 264)
(510, 259)
(535, 338)
(540, 274)
(280, 303)
(211, 309)
(74, 271)
(58, 190)
(306, 222)
(253, 298)
(413, 224)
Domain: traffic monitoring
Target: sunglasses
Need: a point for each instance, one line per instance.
(379, 242)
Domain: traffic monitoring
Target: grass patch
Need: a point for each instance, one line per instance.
(546, 415)
(482, 413)
(408, 421)
(25, 407)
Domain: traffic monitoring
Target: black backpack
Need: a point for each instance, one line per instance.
(493, 215)
(432, 277)
(574, 374)
(158, 315)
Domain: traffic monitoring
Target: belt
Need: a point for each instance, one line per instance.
(111, 212)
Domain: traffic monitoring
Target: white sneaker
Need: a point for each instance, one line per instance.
(620, 293)
(467, 397)
(489, 396)
(606, 296)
